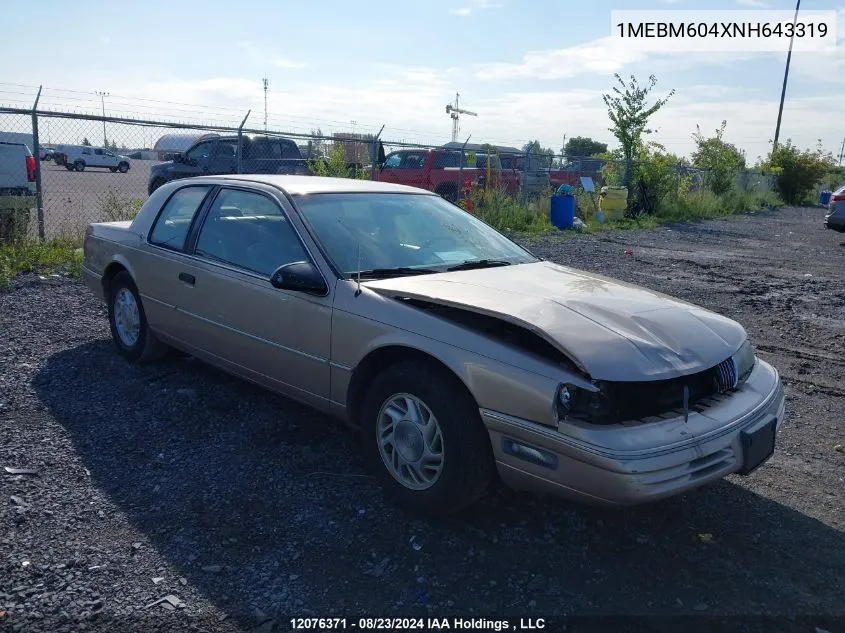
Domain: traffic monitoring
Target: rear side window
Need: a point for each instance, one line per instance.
(174, 220)
(269, 149)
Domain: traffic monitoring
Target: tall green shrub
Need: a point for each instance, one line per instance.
(797, 171)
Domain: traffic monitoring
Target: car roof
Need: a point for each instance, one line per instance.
(304, 185)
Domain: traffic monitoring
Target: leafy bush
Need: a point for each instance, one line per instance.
(506, 214)
(334, 165)
(797, 171)
(722, 160)
(117, 207)
(15, 214)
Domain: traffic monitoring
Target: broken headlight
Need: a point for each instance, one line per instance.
(576, 403)
(743, 362)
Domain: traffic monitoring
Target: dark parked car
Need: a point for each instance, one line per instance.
(215, 156)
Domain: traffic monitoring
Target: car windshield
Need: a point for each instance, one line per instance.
(406, 233)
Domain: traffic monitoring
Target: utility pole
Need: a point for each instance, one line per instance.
(103, 96)
(354, 143)
(842, 152)
(265, 103)
(785, 76)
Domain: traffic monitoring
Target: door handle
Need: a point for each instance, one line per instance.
(188, 279)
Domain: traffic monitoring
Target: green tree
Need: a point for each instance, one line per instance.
(544, 155)
(797, 171)
(722, 160)
(335, 164)
(629, 113)
(318, 145)
(85, 141)
(583, 146)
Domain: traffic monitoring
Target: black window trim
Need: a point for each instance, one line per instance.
(196, 229)
(197, 214)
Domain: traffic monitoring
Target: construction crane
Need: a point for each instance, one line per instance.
(455, 112)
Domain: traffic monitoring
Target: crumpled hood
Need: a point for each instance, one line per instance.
(613, 330)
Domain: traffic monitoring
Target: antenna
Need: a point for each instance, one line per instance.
(455, 112)
(265, 103)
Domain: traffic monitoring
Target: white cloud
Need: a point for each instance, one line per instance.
(283, 62)
(759, 4)
(475, 5)
(262, 57)
(105, 39)
(605, 55)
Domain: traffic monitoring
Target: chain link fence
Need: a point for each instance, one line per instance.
(86, 168)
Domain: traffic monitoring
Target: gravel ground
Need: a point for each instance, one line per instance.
(174, 479)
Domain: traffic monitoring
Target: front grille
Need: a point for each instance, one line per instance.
(725, 375)
(626, 401)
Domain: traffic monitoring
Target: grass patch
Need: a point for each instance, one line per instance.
(50, 256)
(507, 214)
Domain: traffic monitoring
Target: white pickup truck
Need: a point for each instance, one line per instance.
(77, 158)
(17, 170)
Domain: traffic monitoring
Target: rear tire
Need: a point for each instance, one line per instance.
(79, 166)
(128, 322)
(460, 447)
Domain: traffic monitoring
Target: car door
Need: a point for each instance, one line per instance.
(160, 261)
(239, 320)
(389, 169)
(224, 158)
(413, 169)
(109, 159)
(97, 158)
(195, 160)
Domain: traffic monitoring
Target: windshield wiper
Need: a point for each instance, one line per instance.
(399, 271)
(479, 263)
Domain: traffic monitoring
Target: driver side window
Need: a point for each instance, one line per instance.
(393, 161)
(203, 150)
(249, 230)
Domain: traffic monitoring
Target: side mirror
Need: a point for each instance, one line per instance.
(300, 277)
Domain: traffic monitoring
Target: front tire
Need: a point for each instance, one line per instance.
(123, 168)
(425, 440)
(79, 166)
(128, 322)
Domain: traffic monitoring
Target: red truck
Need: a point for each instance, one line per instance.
(571, 173)
(439, 170)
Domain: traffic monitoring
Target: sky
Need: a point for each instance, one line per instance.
(530, 69)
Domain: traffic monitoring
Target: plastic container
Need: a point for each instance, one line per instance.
(562, 212)
(824, 198)
(613, 200)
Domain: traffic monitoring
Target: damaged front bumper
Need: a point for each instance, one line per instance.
(631, 464)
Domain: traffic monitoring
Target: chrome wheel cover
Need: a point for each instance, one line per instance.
(127, 317)
(410, 441)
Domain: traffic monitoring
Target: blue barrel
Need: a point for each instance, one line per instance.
(562, 212)
(824, 197)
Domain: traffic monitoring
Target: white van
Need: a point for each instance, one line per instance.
(17, 170)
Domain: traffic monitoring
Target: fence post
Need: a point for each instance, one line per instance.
(240, 139)
(39, 198)
(461, 168)
(374, 158)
